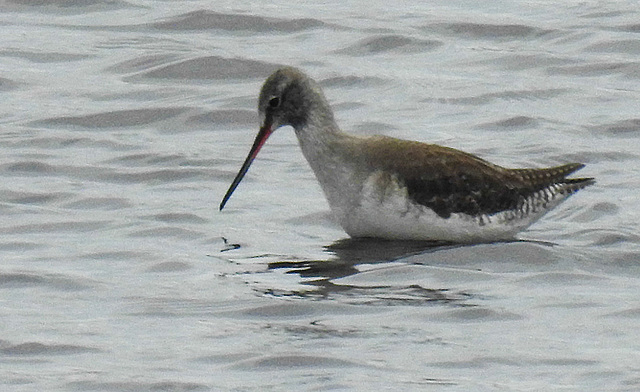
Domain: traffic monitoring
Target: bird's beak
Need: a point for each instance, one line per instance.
(261, 138)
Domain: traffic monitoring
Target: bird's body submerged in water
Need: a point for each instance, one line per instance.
(391, 188)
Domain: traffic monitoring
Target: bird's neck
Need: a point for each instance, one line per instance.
(330, 153)
(320, 136)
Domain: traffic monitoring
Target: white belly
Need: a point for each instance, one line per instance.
(421, 223)
(385, 211)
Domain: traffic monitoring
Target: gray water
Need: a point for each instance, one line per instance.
(123, 123)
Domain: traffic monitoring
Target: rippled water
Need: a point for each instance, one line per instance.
(123, 123)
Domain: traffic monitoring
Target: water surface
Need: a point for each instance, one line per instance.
(124, 122)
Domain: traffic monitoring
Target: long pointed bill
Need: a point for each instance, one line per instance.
(261, 138)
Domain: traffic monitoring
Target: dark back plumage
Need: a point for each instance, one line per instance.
(451, 181)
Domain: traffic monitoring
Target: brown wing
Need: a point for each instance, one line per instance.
(451, 181)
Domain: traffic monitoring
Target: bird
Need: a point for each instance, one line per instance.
(394, 189)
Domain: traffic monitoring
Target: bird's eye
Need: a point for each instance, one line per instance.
(274, 102)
